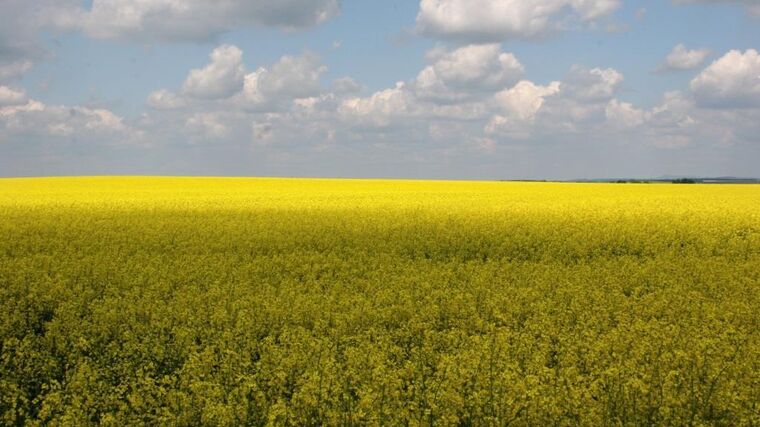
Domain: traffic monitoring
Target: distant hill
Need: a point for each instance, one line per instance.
(678, 179)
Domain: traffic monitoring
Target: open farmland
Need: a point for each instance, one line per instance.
(226, 301)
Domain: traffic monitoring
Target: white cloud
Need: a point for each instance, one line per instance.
(524, 110)
(380, 108)
(253, 94)
(477, 66)
(497, 20)
(221, 78)
(99, 119)
(679, 122)
(592, 85)
(10, 96)
(21, 24)
(306, 104)
(525, 99)
(623, 114)
(674, 112)
(31, 106)
(286, 95)
(23, 21)
(345, 85)
(224, 83)
(733, 81)
(292, 76)
(282, 106)
(164, 100)
(15, 69)
(406, 103)
(466, 72)
(289, 78)
(681, 58)
(574, 106)
(584, 107)
(193, 20)
(206, 125)
(36, 118)
(592, 9)
(518, 108)
(466, 97)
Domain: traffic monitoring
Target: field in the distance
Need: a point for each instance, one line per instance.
(221, 301)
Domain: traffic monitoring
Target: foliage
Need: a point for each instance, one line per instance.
(189, 301)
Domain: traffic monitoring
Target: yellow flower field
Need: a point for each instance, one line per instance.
(237, 301)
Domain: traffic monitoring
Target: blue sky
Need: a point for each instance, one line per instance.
(477, 89)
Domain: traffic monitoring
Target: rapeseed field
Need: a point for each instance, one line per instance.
(233, 301)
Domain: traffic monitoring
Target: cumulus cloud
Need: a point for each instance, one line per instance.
(21, 23)
(292, 76)
(195, 20)
(207, 126)
(10, 96)
(584, 106)
(480, 100)
(481, 107)
(282, 108)
(15, 69)
(575, 105)
(458, 74)
(223, 103)
(289, 78)
(477, 66)
(345, 85)
(219, 79)
(489, 93)
(624, 114)
(518, 108)
(525, 98)
(36, 118)
(224, 83)
(678, 122)
(681, 58)
(456, 86)
(163, 99)
(497, 20)
(596, 84)
(380, 108)
(674, 112)
(470, 95)
(732, 81)
(38, 138)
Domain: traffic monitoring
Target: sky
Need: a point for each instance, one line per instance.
(438, 89)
